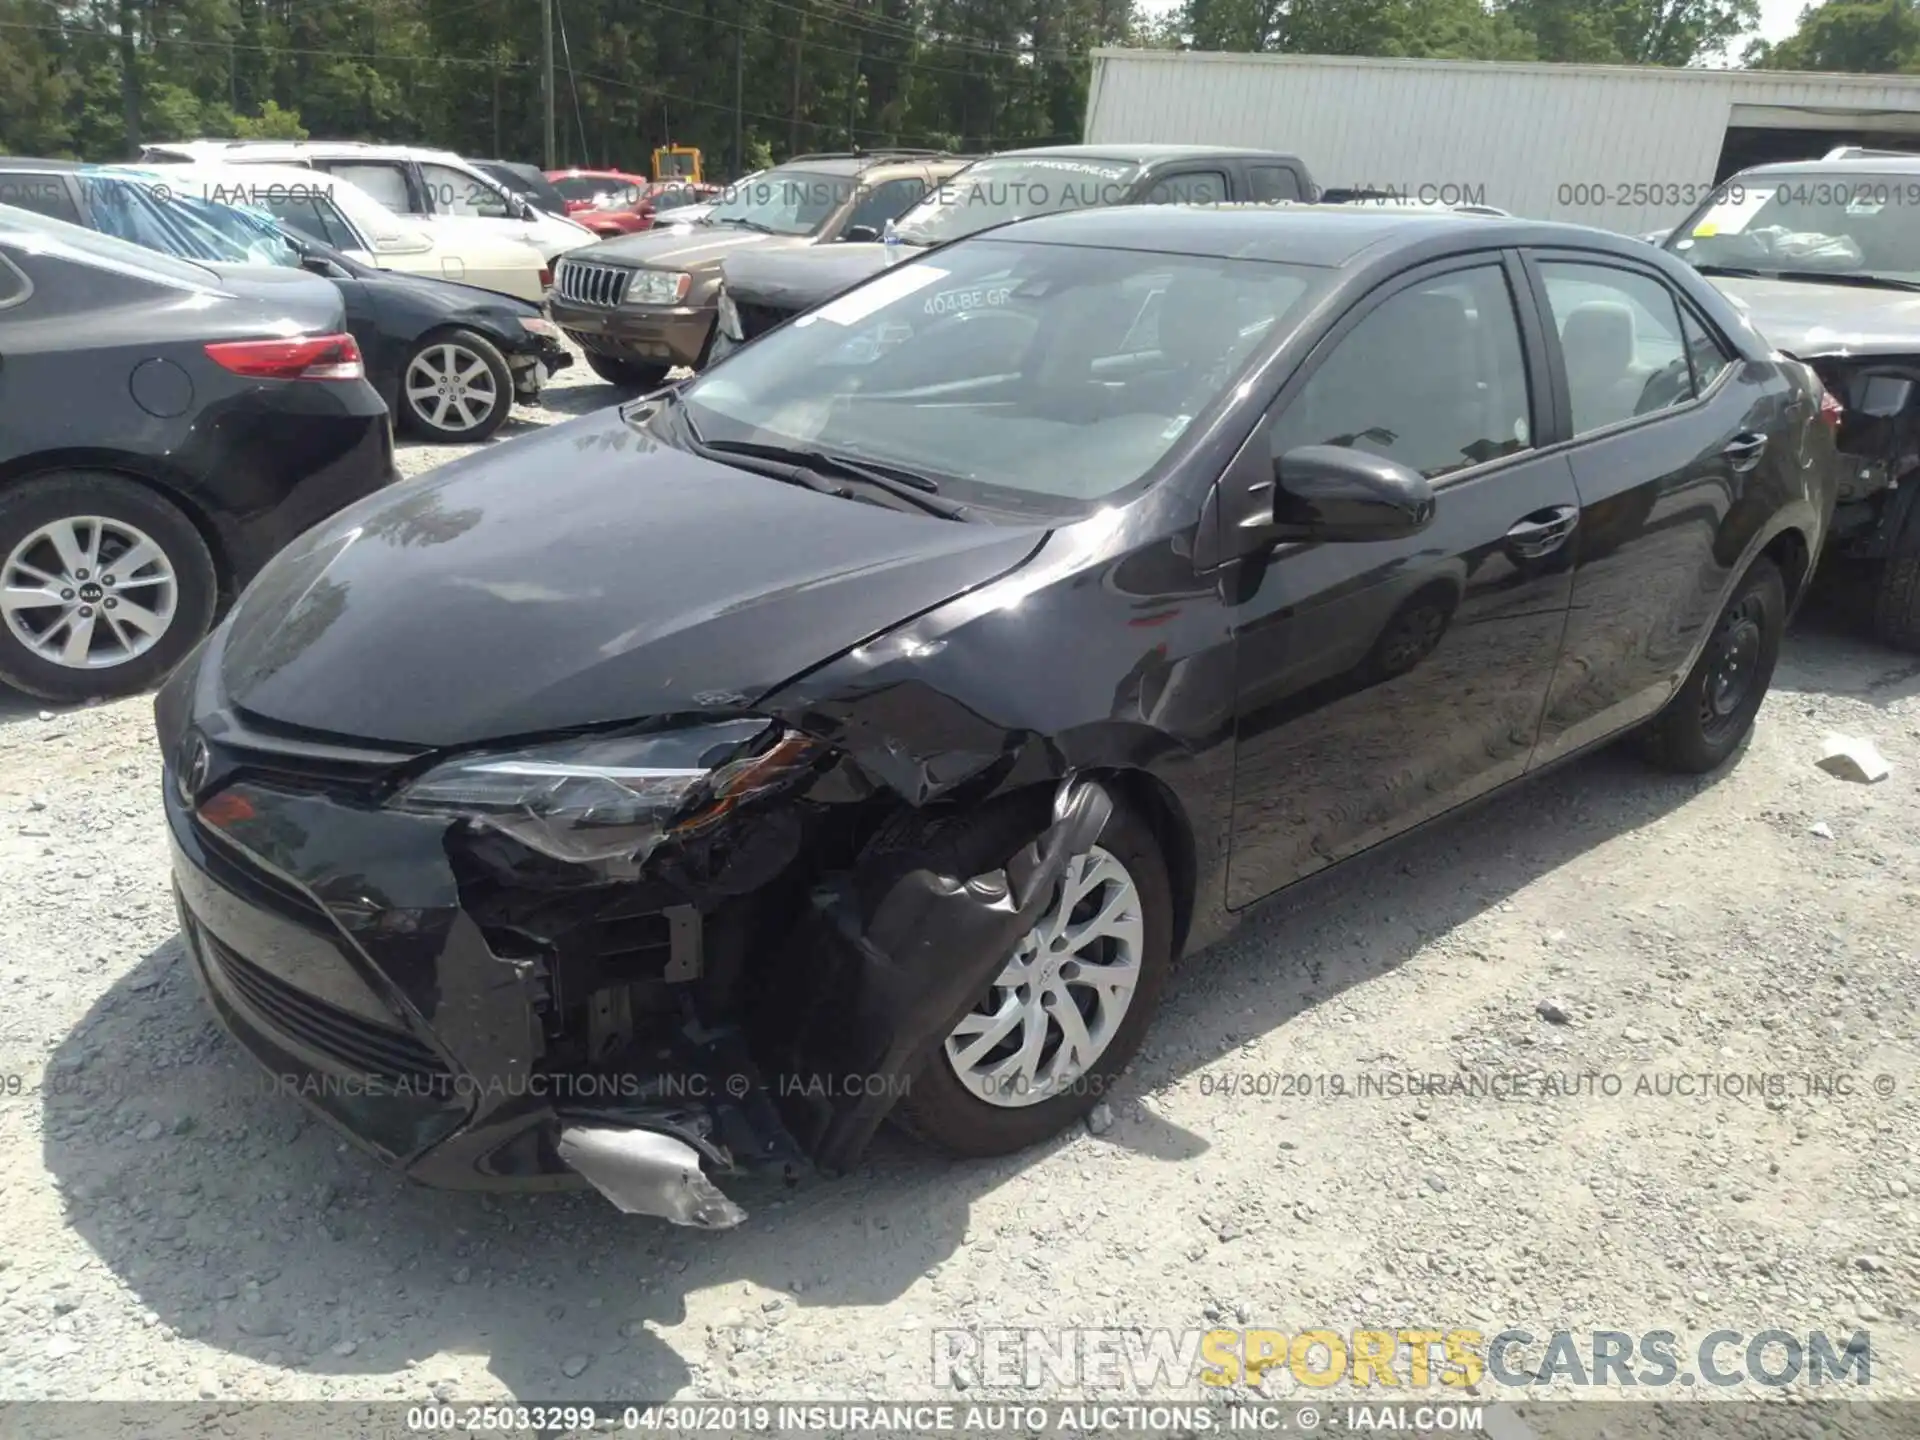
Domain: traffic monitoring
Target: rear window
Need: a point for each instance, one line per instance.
(39, 235)
(989, 192)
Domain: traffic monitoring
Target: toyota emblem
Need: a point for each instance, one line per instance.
(197, 761)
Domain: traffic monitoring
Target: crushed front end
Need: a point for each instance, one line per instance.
(640, 959)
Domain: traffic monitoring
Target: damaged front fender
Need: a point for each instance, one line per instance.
(887, 986)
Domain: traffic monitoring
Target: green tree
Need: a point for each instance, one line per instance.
(1867, 36)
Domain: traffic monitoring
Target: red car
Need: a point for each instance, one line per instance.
(612, 202)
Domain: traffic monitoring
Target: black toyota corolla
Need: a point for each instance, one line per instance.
(863, 729)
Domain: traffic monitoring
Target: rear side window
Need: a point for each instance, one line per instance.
(41, 193)
(1620, 340)
(1271, 184)
(1709, 355)
(1433, 377)
(1189, 187)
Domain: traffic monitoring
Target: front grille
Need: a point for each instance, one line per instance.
(376, 1051)
(587, 283)
(250, 747)
(758, 319)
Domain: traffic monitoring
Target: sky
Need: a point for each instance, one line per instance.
(1778, 18)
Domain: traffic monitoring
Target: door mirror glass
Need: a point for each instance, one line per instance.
(1333, 493)
(861, 234)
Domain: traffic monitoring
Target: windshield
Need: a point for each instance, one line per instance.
(1012, 373)
(991, 191)
(787, 202)
(144, 209)
(1813, 220)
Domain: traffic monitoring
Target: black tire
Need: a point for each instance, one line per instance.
(938, 1108)
(461, 341)
(32, 504)
(628, 374)
(1896, 598)
(1705, 721)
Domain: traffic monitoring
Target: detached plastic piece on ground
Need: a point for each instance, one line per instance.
(1857, 760)
(644, 1173)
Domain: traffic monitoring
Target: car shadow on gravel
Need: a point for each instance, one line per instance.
(242, 1222)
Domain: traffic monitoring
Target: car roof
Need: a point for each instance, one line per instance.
(22, 162)
(1881, 164)
(1142, 154)
(1322, 235)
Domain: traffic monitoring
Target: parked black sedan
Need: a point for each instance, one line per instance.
(163, 429)
(864, 727)
(450, 359)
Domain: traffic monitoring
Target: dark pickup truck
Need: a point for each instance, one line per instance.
(760, 290)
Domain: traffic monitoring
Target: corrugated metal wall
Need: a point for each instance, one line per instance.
(1578, 143)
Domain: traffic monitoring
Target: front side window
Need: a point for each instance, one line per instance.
(1433, 377)
(1189, 187)
(1619, 341)
(883, 203)
(455, 192)
(1043, 375)
(992, 192)
(784, 202)
(385, 183)
(1811, 223)
(44, 194)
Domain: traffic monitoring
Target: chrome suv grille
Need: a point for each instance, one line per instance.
(587, 283)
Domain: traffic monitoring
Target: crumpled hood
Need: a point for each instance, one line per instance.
(1809, 320)
(586, 575)
(801, 279)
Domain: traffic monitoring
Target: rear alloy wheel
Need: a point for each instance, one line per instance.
(1051, 1034)
(104, 586)
(628, 374)
(455, 387)
(1712, 711)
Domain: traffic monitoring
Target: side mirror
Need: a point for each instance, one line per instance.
(322, 266)
(1332, 493)
(860, 235)
(1882, 396)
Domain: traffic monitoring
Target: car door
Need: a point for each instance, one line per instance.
(1667, 432)
(1380, 684)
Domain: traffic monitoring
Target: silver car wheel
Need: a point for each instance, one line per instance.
(450, 386)
(88, 592)
(1060, 1000)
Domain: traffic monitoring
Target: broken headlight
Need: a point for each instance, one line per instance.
(608, 798)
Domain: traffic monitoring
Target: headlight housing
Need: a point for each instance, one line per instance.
(729, 317)
(600, 798)
(539, 325)
(658, 287)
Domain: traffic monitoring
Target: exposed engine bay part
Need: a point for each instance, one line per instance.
(646, 1173)
(897, 971)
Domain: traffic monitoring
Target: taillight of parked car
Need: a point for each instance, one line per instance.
(546, 278)
(306, 357)
(1830, 410)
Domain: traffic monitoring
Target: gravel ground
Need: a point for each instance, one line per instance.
(175, 1231)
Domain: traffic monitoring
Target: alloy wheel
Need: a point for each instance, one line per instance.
(1061, 998)
(88, 592)
(451, 387)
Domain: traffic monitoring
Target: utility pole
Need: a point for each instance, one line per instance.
(130, 79)
(739, 68)
(546, 78)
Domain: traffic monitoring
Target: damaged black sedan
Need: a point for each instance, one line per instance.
(861, 730)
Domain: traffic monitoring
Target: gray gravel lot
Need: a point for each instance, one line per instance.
(172, 1230)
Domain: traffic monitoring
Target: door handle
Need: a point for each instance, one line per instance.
(1743, 452)
(1544, 531)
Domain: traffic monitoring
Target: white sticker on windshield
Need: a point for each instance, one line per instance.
(855, 306)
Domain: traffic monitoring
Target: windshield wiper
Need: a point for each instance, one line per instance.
(895, 480)
(1742, 271)
(741, 221)
(1846, 277)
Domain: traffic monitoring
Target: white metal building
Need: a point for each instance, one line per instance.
(1627, 148)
